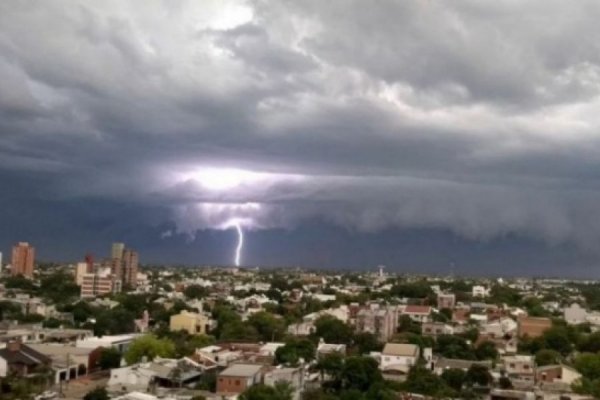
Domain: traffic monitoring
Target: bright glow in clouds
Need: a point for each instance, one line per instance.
(221, 179)
(230, 179)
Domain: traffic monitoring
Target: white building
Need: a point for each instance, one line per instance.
(574, 314)
(120, 342)
(480, 291)
(399, 357)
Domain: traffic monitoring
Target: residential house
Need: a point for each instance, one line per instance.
(480, 291)
(119, 342)
(519, 366)
(192, 323)
(436, 328)
(20, 359)
(441, 364)
(556, 374)
(575, 314)
(446, 300)
(294, 377)
(237, 378)
(69, 362)
(328, 348)
(399, 357)
(417, 313)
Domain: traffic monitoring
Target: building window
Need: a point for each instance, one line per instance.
(237, 382)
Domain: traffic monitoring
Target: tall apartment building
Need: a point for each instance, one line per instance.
(23, 257)
(130, 267)
(117, 250)
(124, 264)
(99, 283)
(382, 322)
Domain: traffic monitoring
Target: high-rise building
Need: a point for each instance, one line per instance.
(130, 267)
(23, 257)
(117, 250)
(99, 283)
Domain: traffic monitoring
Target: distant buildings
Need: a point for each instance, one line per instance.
(446, 300)
(23, 258)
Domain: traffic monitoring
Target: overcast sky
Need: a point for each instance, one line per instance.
(361, 124)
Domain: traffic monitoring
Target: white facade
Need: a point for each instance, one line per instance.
(120, 342)
(480, 291)
(574, 314)
(3, 367)
(399, 357)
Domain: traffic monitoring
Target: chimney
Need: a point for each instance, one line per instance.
(14, 345)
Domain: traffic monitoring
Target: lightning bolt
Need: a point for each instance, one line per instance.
(240, 244)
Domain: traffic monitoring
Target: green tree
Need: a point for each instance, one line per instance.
(557, 338)
(331, 364)
(454, 378)
(332, 330)
(149, 346)
(486, 351)
(423, 381)
(451, 346)
(590, 343)
(366, 342)
(97, 394)
(294, 350)
(196, 292)
(588, 365)
(268, 326)
(264, 392)
(360, 372)
(479, 375)
(547, 357)
(109, 358)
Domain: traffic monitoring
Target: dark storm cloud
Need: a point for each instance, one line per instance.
(472, 117)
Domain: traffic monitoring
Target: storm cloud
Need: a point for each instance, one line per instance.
(473, 117)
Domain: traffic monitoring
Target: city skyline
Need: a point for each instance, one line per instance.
(411, 134)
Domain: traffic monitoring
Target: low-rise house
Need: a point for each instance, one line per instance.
(574, 314)
(301, 328)
(441, 364)
(480, 291)
(506, 394)
(119, 342)
(237, 378)
(436, 328)
(399, 357)
(21, 360)
(329, 348)
(520, 367)
(192, 323)
(417, 313)
(162, 372)
(446, 300)
(292, 376)
(269, 349)
(556, 374)
(69, 362)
